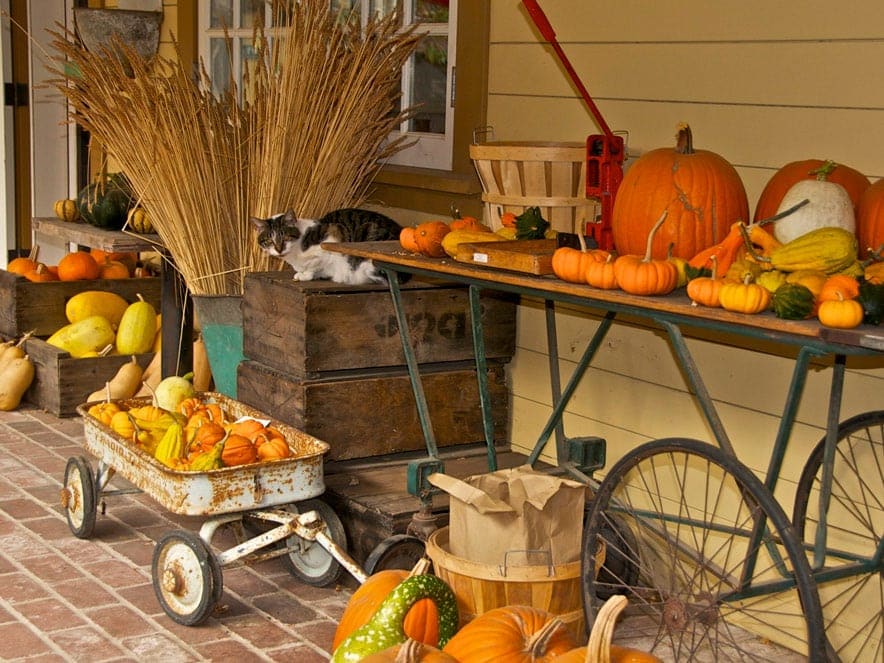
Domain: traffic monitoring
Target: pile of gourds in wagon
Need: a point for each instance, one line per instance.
(814, 248)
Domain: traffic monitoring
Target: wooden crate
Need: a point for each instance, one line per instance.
(374, 413)
(61, 382)
(309, 329)
(39, 307)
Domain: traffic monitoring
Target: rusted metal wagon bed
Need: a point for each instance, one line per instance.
(274, 501)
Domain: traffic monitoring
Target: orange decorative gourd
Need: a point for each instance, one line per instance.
(246, 427)
(205, 436)
(782, 180)
(467, 223)
(421, 622)
(870, 220)
(78, 266)
(238, 450)
(428, 237)
(701, 191)
(645, 275)
(601, 274)
(271, 448)
(512, 634)
(408, 240)
(837, 287)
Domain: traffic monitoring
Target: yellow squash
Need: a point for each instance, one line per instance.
(138, 328)
(84, 337)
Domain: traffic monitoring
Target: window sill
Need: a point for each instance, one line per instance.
(427, 190)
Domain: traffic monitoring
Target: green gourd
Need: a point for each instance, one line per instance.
(385, 630)
(793, 301)
(106, 202)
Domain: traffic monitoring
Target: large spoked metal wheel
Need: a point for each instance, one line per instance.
(308, 560)
(852, 595)
(186, 577)
(718, 569)
(78, 497)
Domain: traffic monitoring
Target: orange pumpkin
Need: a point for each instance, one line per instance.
(129, 259)
(410, 651)
(837, 287)
(645, 275)
(870, 220)
(238, 450)
(113, 269)
(428, 237)
(421, 622)
(78, 266)
(705, 290)
(271, 448)
(246, 427)
(701, 191)
(601, 274)
(21, 265)
(205, 435)
(408, 240)
(40, 274)
(570, 264)
(782, 180)
(512, 634)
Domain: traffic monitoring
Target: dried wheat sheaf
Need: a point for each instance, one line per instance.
(306, 130)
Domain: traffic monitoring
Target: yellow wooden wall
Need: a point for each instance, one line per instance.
(761, 84)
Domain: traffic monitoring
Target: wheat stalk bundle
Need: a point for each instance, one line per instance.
(307, 132)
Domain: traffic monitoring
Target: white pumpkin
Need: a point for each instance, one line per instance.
(830, 205)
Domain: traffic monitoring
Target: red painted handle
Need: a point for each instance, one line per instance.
(540, 19)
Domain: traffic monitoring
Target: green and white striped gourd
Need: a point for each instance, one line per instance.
(385, 630)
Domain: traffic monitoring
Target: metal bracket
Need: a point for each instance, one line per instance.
(587, 453)
(417, 473)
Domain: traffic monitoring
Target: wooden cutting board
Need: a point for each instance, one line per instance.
(532, 256)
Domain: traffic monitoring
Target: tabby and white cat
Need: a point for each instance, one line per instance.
(297, 242)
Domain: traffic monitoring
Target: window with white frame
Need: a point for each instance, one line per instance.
(428, 79)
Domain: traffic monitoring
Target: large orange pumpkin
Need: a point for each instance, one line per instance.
(512, 634)
(701, 191)
(782, 180)
(421, 623)
(870, 219)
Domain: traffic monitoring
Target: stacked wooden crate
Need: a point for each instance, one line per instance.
(328, 359)
(61, 382)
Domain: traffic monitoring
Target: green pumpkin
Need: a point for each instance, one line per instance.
(793, 301)
(871, 296)
(385, 630)
(106, 203)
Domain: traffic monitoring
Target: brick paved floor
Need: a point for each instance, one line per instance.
(67, 599)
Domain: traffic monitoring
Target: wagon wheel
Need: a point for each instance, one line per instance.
(78, 497)
(852, 603)
(308, 560)
(400, 551)
(719, 565)
(186, 577)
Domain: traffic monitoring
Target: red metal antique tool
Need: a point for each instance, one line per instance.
(604, 153)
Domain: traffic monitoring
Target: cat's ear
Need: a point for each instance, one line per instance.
(290, 216)
(260, 224)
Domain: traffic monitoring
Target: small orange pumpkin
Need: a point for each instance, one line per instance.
(705, 290)
(428, 237)
(840, 313)
(271, 448)
(407, 240)
(78, 266)
(645, 275)
(40, 274)
(206, 435)
(410, 651)
(129, 259)
(113, 269)
(601, 274)
(238, 450)
(467, 223)
(838, 286)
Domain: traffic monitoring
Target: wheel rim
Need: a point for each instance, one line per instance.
(309, 561)
(853, 606)
(78, 497)
(691, 510)
(400, 551)
(184, 574)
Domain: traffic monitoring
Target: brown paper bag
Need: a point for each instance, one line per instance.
(515, 517)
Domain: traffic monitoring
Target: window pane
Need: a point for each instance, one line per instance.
(220, 65)
(431, 11)
(221, 14)
(379, 8)
(428, 85)
(251, 11)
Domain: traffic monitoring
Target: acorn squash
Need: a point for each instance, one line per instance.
(106, 202)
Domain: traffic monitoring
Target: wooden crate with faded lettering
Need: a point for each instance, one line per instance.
(312, 328)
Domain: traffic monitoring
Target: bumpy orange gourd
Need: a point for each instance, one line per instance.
(512, 634)
(78, 266)
(428, 237)
(870, 219)
(408, 240)
(421, 622)
(238, 450)
(701, 191)
(782, 180)
(645, 275)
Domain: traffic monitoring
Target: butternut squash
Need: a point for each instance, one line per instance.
(202, 371)
(15, 378)
(124, 384)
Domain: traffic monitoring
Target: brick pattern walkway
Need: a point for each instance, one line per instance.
(67, 599)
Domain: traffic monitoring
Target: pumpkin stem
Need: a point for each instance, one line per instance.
(582, 242)
(822, 173)
(714, 260)
(653, 232)
(599, 646)
(684, 139)
(538, 643)
(409, 652)
(421, 567)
